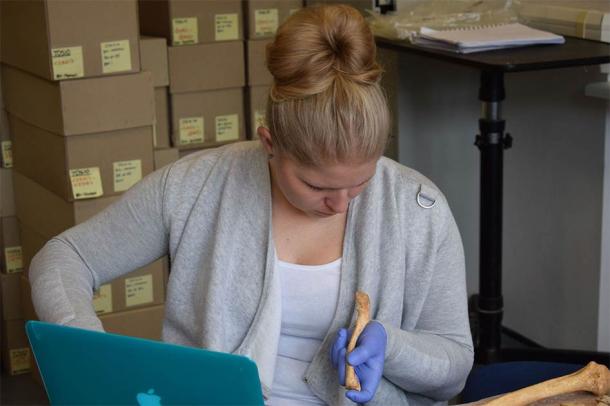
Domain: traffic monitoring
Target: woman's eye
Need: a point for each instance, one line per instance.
(317, 189)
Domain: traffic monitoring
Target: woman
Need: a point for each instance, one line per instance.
(268, 241)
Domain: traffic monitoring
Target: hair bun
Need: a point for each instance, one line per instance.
(318, 47)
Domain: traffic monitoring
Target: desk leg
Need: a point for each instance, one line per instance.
(491, 142)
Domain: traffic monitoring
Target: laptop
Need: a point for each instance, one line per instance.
(88, 367)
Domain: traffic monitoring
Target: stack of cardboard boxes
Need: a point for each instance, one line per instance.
(81, 114)
(153, 53)
(263, 18)
(206, 68)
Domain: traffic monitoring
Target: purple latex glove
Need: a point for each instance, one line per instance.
(367, 359)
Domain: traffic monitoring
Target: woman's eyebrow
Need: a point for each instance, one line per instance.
(335, 188)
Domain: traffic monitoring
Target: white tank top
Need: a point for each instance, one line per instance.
(309, 301)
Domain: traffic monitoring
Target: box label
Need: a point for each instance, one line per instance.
(266, 22)
(7, 154)
(191, 130)
(86, 183)
(116, 56)
(13, 259)
(20, 360)
(102, 299)
(67, 63)
(138, 290)
(227, 127)
(126, 174)
(227, 27)
(185, 31)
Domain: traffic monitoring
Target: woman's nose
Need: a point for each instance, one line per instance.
(338, 202)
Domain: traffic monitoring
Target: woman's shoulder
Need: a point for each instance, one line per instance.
(408, 183)
(196, 165)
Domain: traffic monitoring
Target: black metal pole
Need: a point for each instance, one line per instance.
(491, 142)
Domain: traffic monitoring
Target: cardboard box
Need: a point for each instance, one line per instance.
(58, 215)
(144, 323)
(10, 243)
(257, 108)
(114, 160)
(31, 242)
(161, 127)
(71, 38)
(258, 74)
(207, 118)
(10, 297)
(16, 355)
(189, 22)
(153, 51)
(165, 157)
(206, 67)
(7, 197)
(140, 288)
(80, 106)
(265, 16)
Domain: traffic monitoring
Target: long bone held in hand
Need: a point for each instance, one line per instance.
(364, 316)
(593, 378)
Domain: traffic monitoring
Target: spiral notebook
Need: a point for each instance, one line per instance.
(484, 38)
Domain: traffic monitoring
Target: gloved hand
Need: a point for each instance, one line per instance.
(367, 359)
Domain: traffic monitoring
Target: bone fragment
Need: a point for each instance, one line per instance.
(364, 316)
(593, 378)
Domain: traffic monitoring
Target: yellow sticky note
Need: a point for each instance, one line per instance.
(126, 174)
(191, 130)
(102, 299)
(185, 31)
(67, 63)
(227, 27)
(116, 56)
(7, 154)
(266, 21)
(227, 127)
(86, 183)
(138, 290)
(13, 259)
(20, 360)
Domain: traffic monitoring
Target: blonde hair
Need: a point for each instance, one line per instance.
(326, 104)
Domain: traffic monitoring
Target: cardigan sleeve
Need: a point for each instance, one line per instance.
(127, 235)
(435, 358)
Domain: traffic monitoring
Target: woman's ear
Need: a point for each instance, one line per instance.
(265, 136)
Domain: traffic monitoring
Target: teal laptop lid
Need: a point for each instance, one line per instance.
(88, 367)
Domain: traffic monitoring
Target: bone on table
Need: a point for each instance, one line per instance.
(364, 316)
(593, 378)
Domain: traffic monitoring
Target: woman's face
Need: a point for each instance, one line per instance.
(324, 191)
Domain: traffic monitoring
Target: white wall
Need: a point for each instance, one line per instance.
(553, 186)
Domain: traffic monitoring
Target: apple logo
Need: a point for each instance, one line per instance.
(148, 399)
